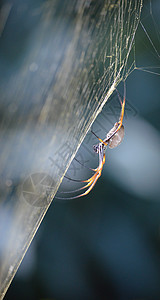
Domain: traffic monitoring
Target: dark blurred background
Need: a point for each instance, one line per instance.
(105, 245)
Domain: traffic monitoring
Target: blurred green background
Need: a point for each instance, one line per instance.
(105, 245)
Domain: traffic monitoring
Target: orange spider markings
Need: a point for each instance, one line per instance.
(113, 138)
(92, 181)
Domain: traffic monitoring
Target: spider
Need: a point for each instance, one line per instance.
(113, 138)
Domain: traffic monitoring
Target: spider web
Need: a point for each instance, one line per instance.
(144, 39)
(58, 70)
(104, 52)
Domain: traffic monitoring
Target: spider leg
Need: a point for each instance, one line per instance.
(92, 185)
(91, 181)
(99, 138)
(122, 106)
(79, 180)
(96, 176)
(83, 164)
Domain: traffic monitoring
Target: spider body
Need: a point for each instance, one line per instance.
(113, 138)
